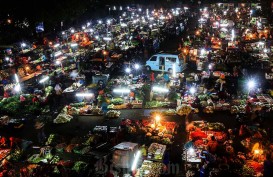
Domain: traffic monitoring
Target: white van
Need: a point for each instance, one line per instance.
(164, 62)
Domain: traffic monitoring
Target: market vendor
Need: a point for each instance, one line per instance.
(268, 167)
(248, 109)
(15, 142)
(35, 99)
(152, 77)
(6, 94)
(3, 142)
(166, 79)
(212, 145)
(131, 95)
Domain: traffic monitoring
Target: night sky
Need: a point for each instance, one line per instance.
(50, 12)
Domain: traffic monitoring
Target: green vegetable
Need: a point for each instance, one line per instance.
(111, 106)
(55, 159)
(78, 105)
(203, 97)
(13, 106)
(48, 90)
(79, 166)
(16, 156)
(155, 104)
(51, 139)
(117, 101)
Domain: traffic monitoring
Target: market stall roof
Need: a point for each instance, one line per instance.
(126, 146)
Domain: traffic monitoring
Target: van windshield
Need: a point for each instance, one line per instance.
(153, 58)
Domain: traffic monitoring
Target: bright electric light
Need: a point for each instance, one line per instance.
(16, 78)
(84, 94)
(23, 44)
(58, 62)
(108, 22)
(74, 74)
(251, 84)
(7, 58)
(137, 66)
(127, 70)
(44, 79)
(157, 118)
(100, 22)
(63, 33)
(203, 51)
(58, 53)
(72, 31)
(83, 27)
(57, 45)
(191, 151)
(174, 70)
(17, 88)
(232, 34)
(192, 90)
(160, 89)
(107, 38)
(97, 37)
(135, 160)
(256, 151)
(265, 50)
(88, 24)
(122, 90)
(120, 8)
(139, 10)
(210, 66)
(123, 25)
(162, 17)
(73, 44)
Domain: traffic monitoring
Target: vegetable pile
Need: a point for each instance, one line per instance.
(63, 117)
(113, 114)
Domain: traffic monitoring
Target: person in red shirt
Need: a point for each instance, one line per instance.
(35, 99)
(248, 110)
(152, 77)
(15, 142)
(131, 96)
(212, 145)
(3, 142)
(6, 94)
